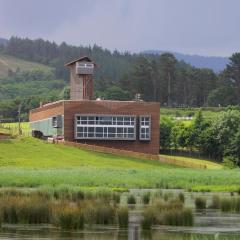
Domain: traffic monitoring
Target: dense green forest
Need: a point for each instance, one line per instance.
(118, 76)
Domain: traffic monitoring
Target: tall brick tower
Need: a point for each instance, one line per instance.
(81, 80)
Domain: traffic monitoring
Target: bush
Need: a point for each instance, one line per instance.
(200, 203)
(122, 216)
(131, 199)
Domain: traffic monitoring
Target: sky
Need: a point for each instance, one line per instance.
(203, 27)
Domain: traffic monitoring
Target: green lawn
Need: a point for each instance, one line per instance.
(30, 162)
(208, 164)
(12, 128)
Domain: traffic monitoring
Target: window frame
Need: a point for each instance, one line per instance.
(144, 126)
(102, 120)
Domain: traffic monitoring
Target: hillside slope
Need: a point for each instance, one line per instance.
(217, 64)
(29, 162)
(12, 63)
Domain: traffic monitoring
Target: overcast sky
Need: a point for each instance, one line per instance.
(204, 27)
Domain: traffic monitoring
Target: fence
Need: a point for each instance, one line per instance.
(126, 153)
(115, 151)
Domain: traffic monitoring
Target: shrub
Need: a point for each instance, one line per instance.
(131, 199)
(200, 203)
(122, 216)
(146, 198)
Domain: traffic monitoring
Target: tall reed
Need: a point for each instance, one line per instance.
(122, 217)
(69, 218)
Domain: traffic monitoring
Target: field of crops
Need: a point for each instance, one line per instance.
(30, 162)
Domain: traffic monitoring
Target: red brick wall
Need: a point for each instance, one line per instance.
(47, 111)
(115, 107)
(70, 108)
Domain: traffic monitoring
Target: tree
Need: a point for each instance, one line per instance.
(116, 93)
(233, 72)
(168, 63)
(224, 128)
(165, 132)
(232, 152)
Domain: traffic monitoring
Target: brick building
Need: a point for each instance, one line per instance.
(128, 125)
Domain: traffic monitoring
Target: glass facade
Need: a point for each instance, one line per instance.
(145, 127)
(106, 127)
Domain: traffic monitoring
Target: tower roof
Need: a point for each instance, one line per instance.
(82, 59)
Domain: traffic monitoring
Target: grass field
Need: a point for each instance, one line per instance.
(30, 162)
(208, 164)
(9, 62)
(12, 128)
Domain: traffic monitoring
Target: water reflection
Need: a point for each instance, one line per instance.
(47, 233)
(209, 225)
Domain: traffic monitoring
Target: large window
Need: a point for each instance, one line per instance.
(145, 127)
(105, 127)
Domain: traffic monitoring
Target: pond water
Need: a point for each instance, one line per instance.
(209, 225)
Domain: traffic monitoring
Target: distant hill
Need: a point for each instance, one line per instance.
(217, 64)
(12, 63)
(3, 41)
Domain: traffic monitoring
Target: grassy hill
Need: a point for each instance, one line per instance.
(30, 162)
(8, 62)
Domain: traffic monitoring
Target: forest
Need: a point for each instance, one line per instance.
(118, 76)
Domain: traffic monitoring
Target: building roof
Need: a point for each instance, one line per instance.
(82, 59)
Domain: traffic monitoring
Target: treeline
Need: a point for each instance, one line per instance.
(25, 90)
(216, 138)
(120, 76)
